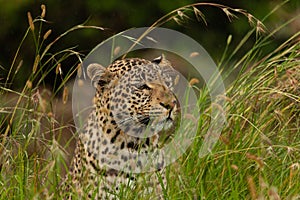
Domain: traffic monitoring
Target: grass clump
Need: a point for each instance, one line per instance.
(258, 153)
(36, 121)
(257, 156)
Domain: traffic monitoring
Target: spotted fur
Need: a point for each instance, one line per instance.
(133, 97)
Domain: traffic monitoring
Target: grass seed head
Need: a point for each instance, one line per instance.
(229, 14)
(36, 63)
(30, 21)
(257, 159)
(260, 28)
(58, 69)
(117, 50)
(199, 15)
(47, 34)
(194, 54)
(234, 167)
(193, 81)
(43, 7)
(79, 70)
(229, 39)
(19, 66)
(177, 20)
(65, 95)
(29, 84)
(273, 194)
(252, 188)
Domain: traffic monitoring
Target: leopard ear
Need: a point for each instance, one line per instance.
(161, 61)
(98, 74)
(158, 59)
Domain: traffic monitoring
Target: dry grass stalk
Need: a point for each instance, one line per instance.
(229, 14)
(260, 28)
(257, 159)
(294, 169)
(58, 69)
(225, 140)
(251, 19)
(234, 167)
(177, 20)
(65, 95)
(194, 54)
(252, 187)
(199, 15)
(117, 50)
(29, 84)
(36, 63)
(182, 15)
(273, 194)
(193, 81)
(43, 7)
(176, 81)
(79, 70)
(19, 66)
(30, 21)
(229, 39)
(47, 34)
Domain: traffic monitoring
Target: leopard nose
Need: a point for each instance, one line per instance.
(169, 105)
(166, 106)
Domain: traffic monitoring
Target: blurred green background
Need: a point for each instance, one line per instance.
(117, 16)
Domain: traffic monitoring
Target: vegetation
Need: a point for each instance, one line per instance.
(257, 155)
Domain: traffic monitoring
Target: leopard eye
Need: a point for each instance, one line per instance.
(144, 87)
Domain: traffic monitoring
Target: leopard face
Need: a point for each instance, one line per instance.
(138, 95)
(142, 102)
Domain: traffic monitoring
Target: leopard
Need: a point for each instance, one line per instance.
(134, 108)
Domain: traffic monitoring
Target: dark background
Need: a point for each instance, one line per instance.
(117, 16)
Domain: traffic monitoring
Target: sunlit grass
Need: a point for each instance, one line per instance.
(257, 156)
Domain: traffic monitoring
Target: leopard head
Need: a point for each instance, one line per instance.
(138, 94)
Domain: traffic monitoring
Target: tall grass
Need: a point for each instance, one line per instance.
(257, 156)
(36, 122)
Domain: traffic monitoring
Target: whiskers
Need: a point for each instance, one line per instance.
(125, 119)
(145, 120)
